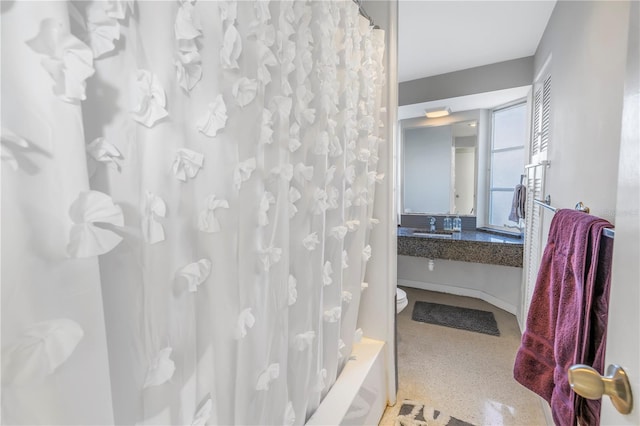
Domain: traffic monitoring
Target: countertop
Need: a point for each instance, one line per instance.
(476, 246)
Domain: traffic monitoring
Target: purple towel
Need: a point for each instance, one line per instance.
(595, 339)
(566, 323)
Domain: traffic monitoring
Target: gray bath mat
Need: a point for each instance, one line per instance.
(456, 317)
(417, 414)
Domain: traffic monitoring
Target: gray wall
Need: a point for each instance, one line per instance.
(587, 41)
(466, 141)
(487, 78)
(496, 284)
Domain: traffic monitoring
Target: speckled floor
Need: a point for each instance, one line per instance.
(464, 374)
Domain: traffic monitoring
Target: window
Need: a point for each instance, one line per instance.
(508, 139)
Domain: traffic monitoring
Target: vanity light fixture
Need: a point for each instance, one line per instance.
(437, 112)
(473, 124)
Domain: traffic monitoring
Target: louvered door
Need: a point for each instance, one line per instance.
(533, 234)
(540, 137)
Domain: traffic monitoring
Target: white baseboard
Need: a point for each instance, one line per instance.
(460, 291)
(521, 323)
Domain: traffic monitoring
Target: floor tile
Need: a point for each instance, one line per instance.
(464, 374)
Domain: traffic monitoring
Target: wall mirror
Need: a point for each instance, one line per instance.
(439, 166)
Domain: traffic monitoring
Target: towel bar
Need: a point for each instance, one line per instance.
(546, 203)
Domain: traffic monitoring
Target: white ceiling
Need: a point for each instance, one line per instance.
(437, 37)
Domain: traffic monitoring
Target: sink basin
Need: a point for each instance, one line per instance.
(438, 232)
(433, 234)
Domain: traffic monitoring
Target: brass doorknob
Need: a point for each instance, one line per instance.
(587, 382)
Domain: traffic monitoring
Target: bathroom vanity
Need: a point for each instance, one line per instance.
(476, 246)
(472, 263)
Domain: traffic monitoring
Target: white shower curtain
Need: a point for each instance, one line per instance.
(187, 193)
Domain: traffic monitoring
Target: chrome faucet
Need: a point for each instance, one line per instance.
(432, 224)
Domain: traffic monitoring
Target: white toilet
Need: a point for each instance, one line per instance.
(401, 300)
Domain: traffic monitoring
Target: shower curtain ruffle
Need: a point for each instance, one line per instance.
(187, 197)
